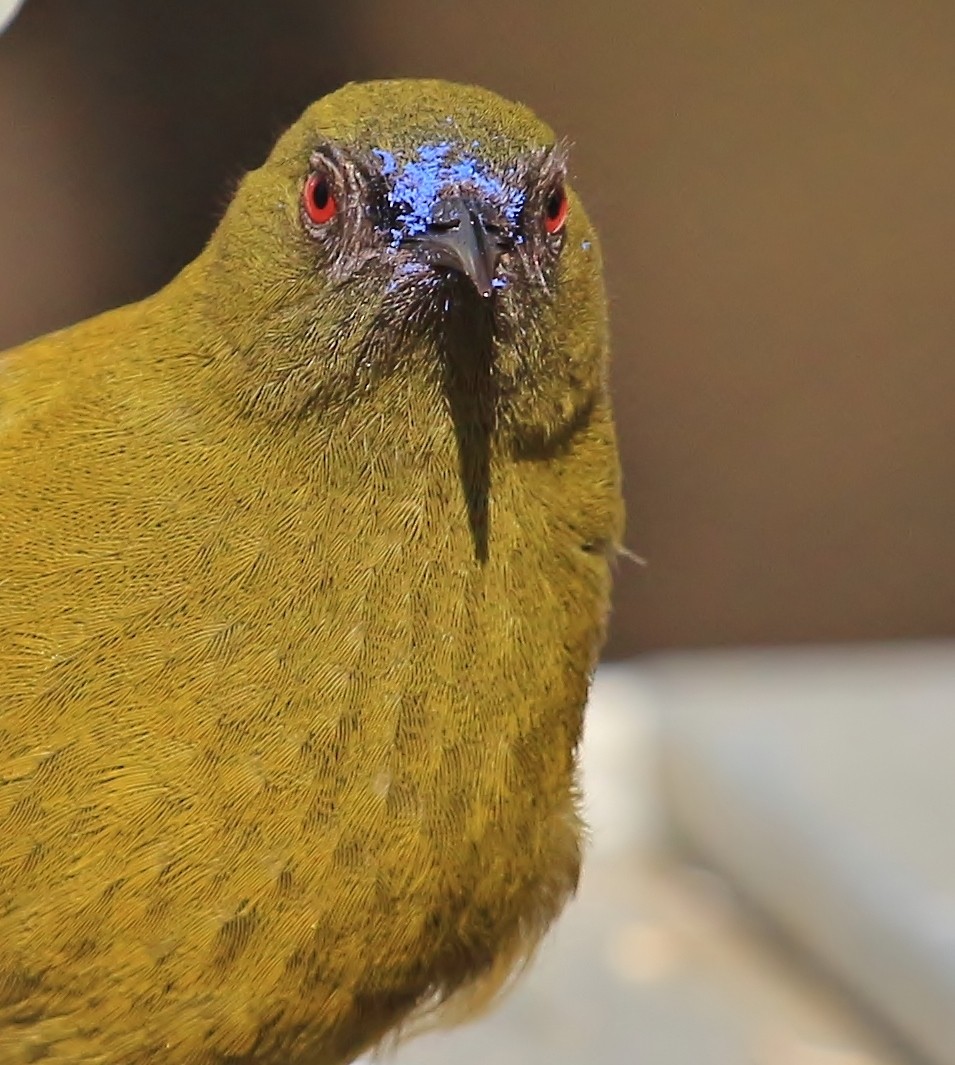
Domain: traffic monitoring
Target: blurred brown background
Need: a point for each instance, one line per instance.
(776, 188)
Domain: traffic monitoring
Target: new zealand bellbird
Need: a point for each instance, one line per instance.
(304, 570)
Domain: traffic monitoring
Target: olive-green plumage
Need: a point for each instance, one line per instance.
(305, 568)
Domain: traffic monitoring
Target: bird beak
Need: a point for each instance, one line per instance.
(457, 237)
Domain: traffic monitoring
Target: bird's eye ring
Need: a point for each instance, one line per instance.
(555, 210)
(318, 201)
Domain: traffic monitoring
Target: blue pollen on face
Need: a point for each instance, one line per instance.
(419, 182)
(388, 164)
(402, 272)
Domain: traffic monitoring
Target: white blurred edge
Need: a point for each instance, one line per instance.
(618, 763)
(8, 9)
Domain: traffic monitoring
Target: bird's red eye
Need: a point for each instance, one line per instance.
(555, 210)
(317, 199)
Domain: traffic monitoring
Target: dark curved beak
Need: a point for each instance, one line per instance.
(459, 238)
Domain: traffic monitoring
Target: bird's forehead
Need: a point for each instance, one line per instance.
(421, 174)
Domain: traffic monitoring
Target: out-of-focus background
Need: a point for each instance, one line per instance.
(771, 749)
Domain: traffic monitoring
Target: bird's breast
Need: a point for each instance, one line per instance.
(316, 750)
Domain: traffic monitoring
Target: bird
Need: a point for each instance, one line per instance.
(307, 566)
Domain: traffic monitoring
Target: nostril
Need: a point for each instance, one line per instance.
(499, 235)
(444, 225)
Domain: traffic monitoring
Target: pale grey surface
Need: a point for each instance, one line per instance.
(8, 8)
(823, 783)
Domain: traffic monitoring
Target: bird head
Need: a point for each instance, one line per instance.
(417, 228)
